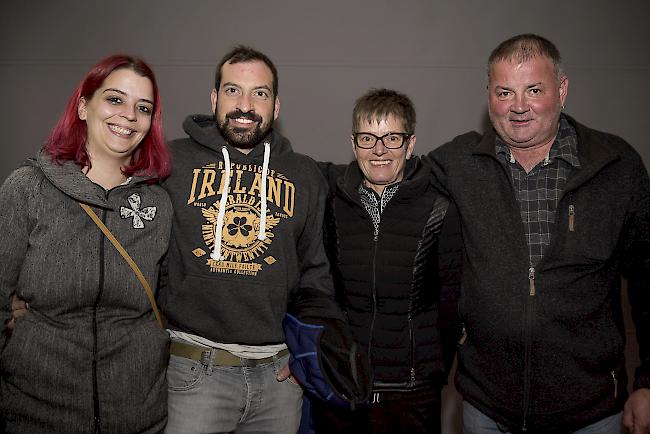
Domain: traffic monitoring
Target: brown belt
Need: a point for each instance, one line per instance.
(219, 357)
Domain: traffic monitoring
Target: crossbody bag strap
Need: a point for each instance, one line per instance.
(127, 258)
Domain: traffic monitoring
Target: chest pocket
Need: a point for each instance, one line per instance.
(589, 233)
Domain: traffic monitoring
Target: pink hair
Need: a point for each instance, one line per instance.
(67, 140)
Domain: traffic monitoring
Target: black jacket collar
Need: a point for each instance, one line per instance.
(417, 177)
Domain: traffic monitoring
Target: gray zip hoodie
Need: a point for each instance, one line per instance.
(88, 356)
(236, 259)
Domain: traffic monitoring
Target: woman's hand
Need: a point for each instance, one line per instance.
(18, 308)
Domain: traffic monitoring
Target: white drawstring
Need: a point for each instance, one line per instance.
(216, 253)
(265, 168)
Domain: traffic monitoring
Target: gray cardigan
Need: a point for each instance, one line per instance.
(88, 354)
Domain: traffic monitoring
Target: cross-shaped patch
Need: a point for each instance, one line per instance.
(147, 213)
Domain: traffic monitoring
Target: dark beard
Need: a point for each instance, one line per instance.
(243, 138)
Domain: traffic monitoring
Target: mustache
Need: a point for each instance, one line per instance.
(252, 116)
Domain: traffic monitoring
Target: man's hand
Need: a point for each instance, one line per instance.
(18, 308)
(636, 414)
(285, 373)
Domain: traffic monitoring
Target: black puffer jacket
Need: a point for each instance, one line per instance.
(399, 305)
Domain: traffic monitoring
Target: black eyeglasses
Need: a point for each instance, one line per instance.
(390, 140)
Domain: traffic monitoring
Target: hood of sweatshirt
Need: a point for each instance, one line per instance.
(68, 177)
(203, 130)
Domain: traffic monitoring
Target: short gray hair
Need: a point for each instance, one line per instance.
(525, 47)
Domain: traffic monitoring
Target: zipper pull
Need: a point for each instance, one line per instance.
(615, 384)
(572, 218)
(412, 375)
(463, 335)
(531, 279)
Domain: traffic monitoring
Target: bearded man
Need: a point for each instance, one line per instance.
(247, 240)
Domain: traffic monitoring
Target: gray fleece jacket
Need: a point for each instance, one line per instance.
(550, 360)
(88, 356)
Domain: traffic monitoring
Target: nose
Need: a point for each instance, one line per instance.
(244, 103)
(128, 113)
(519, 104)
(379, 148)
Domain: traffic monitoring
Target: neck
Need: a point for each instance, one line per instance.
(379, 189)
(107, 174)
(531, 157)
(244, 151)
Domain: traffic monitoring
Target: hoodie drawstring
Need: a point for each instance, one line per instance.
(216, 253)
(265, 168)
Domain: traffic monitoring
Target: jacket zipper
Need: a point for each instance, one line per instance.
(374, 293)
(411, 339)
(528, 323)
(532, 291)
(531, 281)
(412, 349)
(572, 218)
(527, 351)
(96, 413)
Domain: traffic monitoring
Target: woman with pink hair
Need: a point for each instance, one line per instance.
(86, 355)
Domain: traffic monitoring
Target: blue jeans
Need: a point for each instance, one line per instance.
(223, 399)
(475, 422)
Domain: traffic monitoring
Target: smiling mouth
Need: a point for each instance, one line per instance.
(244, 121)
(120, 131)
(379, 163)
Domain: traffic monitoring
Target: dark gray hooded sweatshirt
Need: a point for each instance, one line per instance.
(234, 266)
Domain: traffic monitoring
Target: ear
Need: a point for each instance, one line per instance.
(564, 88)
(354, 147)
(276, 108)
(82, 110)
(213, 100)
(410, 146)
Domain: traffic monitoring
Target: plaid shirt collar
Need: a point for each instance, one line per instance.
(565, 146)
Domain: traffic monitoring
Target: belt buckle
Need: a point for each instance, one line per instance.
(205, 357)
(251, 363)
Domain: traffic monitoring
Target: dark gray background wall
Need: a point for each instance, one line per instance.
(327, 54)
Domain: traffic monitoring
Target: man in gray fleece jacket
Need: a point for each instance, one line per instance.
(553, 213)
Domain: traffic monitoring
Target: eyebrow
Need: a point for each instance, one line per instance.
(112, 89)
(262, 86)
(503, 86)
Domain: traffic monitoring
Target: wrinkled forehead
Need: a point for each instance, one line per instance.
(517, 62)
